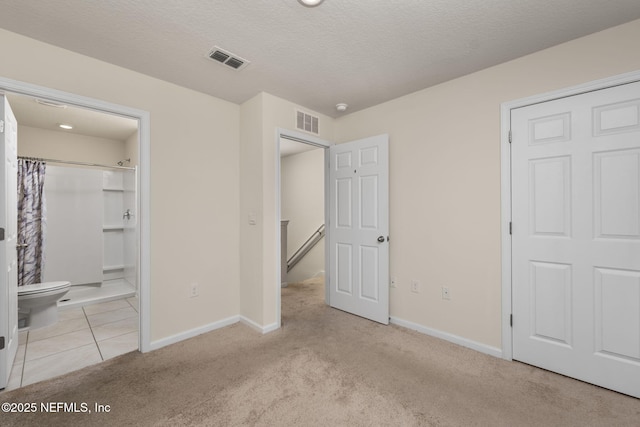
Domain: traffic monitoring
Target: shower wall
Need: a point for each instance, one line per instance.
(89, 240)
(130, 250)
(120, 226)
(73, 246)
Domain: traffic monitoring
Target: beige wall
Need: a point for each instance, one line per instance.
(277, 113)
(251, 256)
(194, 178)
(51, 144)
(445, 181)
(261, 116)
(445, 177)
(131, 150)
(302, 203)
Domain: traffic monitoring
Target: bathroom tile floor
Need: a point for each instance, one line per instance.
(82, 336)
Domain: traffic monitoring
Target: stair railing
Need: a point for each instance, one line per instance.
(305, 248)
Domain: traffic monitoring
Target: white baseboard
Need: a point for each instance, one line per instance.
(482, 348)
(270, 328)
(262, 329)
(193, 332)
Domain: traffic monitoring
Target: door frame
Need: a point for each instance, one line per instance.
(303, 138)
(505, 185)
(143, 185)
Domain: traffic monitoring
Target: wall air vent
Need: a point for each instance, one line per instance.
(227, 58)
(306, 122)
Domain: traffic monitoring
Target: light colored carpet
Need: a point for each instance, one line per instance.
(323, 368)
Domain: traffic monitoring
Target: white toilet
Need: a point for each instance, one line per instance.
(38, 302)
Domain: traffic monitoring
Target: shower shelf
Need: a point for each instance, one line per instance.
(113, 227)
(117, 194)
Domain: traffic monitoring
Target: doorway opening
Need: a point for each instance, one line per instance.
(301, 203)
(356, 212)
(123, 249)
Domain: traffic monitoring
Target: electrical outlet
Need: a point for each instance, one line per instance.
(394, 283)
(415, 286)
(445, 293)
(193, 291)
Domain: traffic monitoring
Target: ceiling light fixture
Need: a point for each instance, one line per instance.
(310, 3)
(342, 107)
(65, 126)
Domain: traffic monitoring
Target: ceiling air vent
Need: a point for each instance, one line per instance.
(227, 58)
(306, 122)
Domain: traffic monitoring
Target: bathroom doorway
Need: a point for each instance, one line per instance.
(123, 244)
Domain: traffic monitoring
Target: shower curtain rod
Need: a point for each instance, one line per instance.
(69, 162)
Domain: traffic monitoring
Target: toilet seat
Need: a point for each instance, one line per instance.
(38, 288)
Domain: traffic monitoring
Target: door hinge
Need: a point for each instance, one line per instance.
(511, 320)
(1, 234)
(510, 228)
(1, 343)
(509, 136)
(1, 126)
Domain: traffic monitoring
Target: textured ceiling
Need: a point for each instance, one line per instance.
(361, 52)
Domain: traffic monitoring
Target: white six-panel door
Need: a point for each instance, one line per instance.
(359, 228)
(8, 253)
(576, 236)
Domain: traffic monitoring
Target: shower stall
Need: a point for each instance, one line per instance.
(91, 231)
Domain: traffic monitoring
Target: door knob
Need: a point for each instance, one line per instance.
(381, 239)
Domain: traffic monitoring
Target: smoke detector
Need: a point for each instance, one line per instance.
(310, 3)
(342, 107)
(227, 58)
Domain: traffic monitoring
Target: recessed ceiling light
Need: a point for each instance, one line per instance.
(310, 3)
(65, 126)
